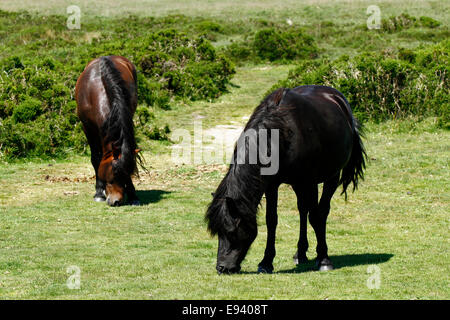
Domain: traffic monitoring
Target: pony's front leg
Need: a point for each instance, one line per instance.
(131, 193)
(266, 266)
(96, 158)
(100, 186)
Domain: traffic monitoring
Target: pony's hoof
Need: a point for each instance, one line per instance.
(99, 199)
(324, 265)
(135, 203)
(326, 268)
(265, 269)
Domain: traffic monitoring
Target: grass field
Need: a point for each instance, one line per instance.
(398, 220)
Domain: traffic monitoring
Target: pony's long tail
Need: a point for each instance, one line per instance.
(119, 126)
(354, 169)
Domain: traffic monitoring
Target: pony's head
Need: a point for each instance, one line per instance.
(236, 229)
(115, 176)
(232, 213)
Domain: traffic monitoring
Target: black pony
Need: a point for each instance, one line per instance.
(318, 141)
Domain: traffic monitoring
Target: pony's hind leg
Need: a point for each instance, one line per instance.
(306, 201)
(318, 220)
(266, 265)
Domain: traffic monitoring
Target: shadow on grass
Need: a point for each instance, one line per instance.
(348, 260)
(151, 196)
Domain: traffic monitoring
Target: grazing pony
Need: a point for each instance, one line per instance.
(318, 142)
(106, 101)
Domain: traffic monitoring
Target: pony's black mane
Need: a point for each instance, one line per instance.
(243, 182)
(118, 127)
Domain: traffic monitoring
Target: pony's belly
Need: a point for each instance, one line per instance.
(313, 169)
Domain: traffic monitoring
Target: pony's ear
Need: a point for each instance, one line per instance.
(232, 208)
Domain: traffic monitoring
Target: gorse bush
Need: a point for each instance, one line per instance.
(429, 22)
(274, 44)
(380, 87)
(210, 29)
(397, 23)
(27, 110)
(405, 21)
(37, 107)
(176, 65)
(37, 110)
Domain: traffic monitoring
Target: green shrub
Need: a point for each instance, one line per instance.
(210, 26)
(407, 55)
(176, 66)
(429, 22)
(143, 115)
(47, 135)
(380, 87)
(152, 62)
(12, 63)
(155, 133)
(405, 21)
(144, 125)
(274, 44)
(397, 23)
(239, 51)
(27, 110)
(269, 44)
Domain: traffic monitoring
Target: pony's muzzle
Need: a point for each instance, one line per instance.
(113, 202)
(224, 270)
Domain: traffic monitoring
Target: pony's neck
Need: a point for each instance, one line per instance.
(245, 185)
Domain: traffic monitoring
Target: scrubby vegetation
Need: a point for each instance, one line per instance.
(182, 58)
(405, 21)
(382, 85)
(274, 44)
